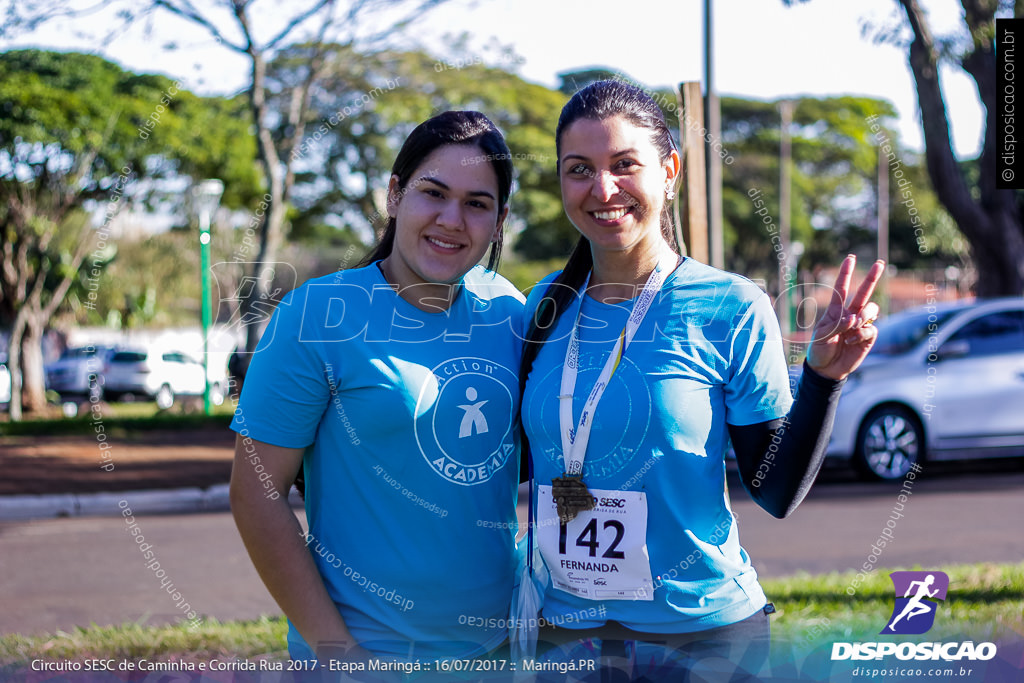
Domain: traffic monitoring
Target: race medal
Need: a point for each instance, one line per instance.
(571, 496)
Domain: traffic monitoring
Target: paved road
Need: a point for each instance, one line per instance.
(56, 574)
(951, 516)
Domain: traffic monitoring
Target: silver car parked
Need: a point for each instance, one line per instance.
(943, 382)
(78, 374)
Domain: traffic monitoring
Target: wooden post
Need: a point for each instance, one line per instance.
(882, 291)
(713, 124)
(785, 186)
(692, 229)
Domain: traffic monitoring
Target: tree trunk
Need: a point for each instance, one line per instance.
(33, 378)
(993, 226)
(1000, 253)
(271, 235)
(279, 174)
(14, 364)
(258, 305)
(1000, 261)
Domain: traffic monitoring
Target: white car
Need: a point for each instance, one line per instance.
(943, 382)
(5, 383)
(159, 375)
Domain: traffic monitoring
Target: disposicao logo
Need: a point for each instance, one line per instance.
(914, 614)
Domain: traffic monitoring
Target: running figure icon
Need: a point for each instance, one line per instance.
(915, 606)
(473, 420)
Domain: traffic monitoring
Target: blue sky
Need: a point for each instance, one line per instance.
(762, 48)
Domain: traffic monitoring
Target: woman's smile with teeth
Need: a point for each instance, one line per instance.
(611, 215)
(440, 243)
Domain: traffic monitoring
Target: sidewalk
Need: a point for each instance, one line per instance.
(156, 472)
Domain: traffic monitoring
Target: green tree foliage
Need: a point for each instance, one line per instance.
(833, 164)
(80, 135)
(834, 185)
(368, 103)
(990, 218)
(834, 182)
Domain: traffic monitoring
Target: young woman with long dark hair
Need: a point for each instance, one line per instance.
(400, 375)
(638, 368)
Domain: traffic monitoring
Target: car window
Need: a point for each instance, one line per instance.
(901, 334)
(1001, 332)
(128, 357)
(79, 352)
(173, 358)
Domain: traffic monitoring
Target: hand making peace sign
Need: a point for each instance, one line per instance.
(845, 334)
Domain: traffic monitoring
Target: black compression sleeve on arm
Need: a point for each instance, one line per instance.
(779, 460)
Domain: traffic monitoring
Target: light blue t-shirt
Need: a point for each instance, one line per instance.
(708, 353)
(411, 480)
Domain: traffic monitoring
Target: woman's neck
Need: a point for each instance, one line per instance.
(620, 275)
(427, 296)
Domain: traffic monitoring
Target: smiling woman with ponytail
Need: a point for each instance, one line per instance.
(639, 366)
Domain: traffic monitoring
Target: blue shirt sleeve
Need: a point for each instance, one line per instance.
(758, 386)
(286, 389)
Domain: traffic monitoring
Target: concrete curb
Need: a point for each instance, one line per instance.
(108, 504)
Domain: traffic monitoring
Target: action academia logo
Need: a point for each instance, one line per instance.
(914, 612)
(465, 432)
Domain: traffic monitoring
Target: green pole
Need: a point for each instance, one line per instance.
(204, 277)
(791, 294)
(206, 196)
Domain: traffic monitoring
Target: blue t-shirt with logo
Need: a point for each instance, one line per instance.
(708, 353)
(412, 475)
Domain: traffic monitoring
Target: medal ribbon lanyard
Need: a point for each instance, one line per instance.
(574, 442)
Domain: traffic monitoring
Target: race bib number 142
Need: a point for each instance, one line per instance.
(602, 554)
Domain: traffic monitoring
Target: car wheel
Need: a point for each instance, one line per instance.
(889, 443)
(164, 397)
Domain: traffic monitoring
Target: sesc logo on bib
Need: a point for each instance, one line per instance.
(464, 428)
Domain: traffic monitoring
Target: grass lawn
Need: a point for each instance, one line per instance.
(985, 602)
(212, 639)
(125, 418)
